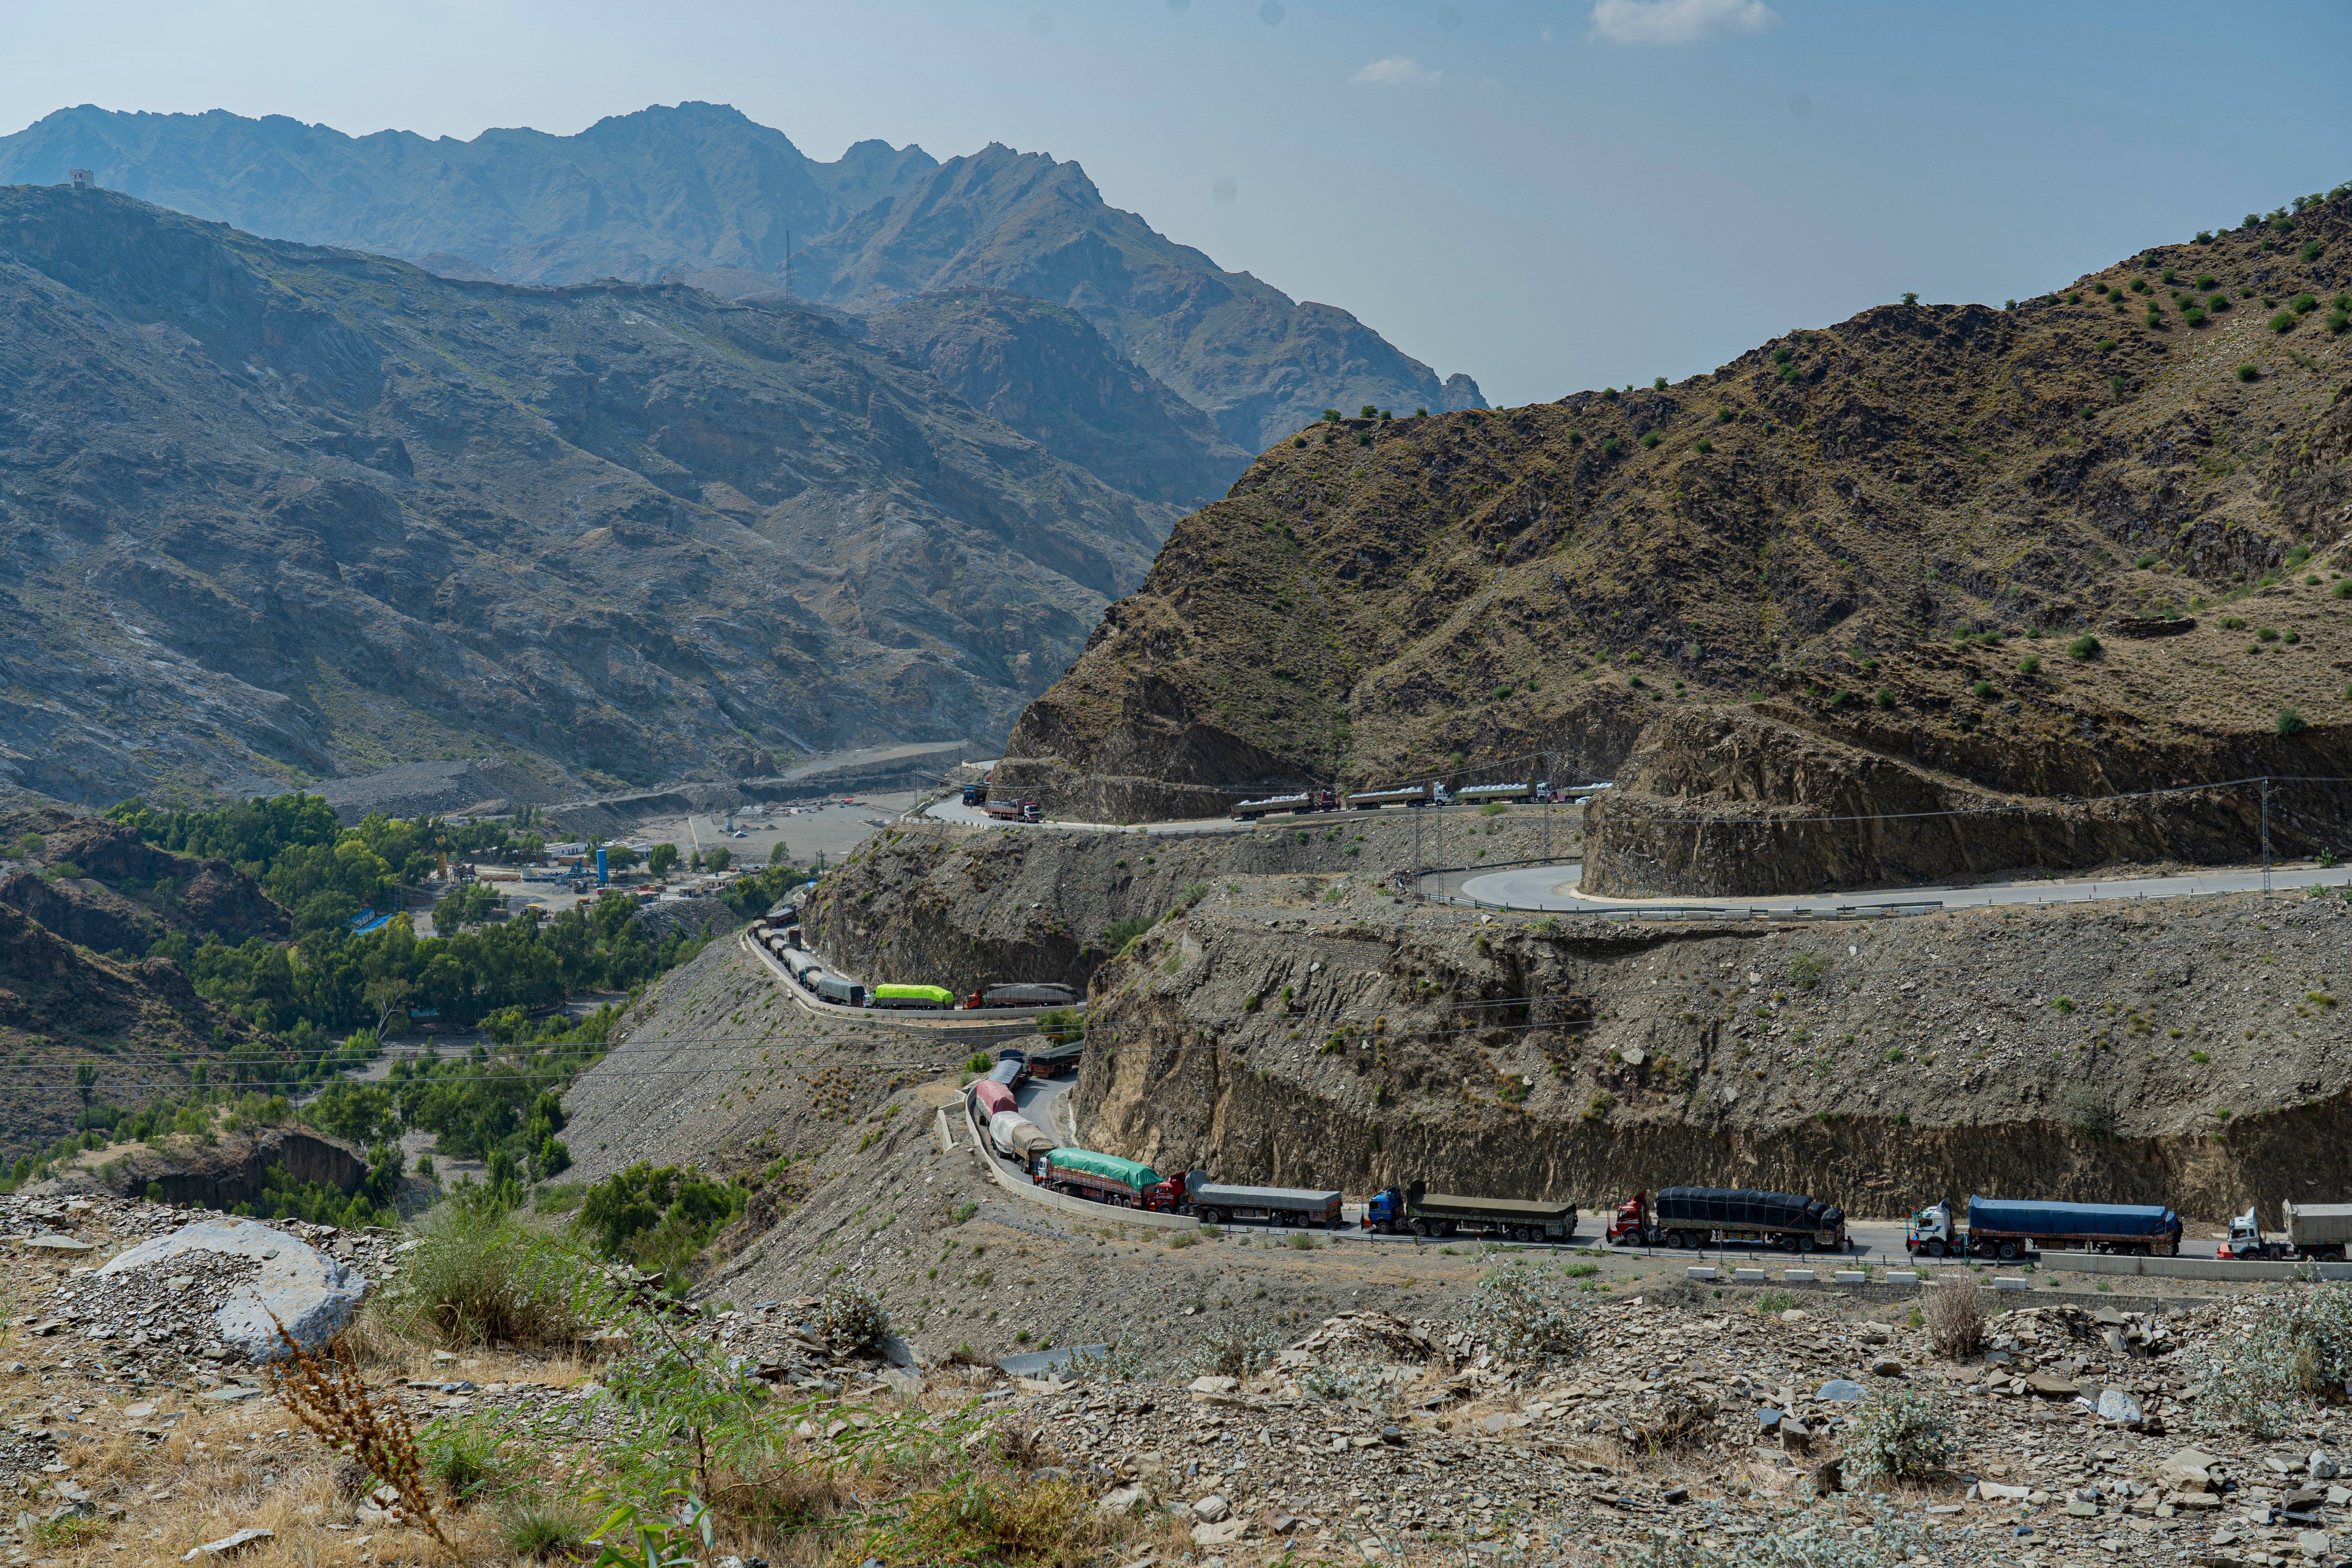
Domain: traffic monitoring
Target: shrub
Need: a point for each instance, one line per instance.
(657, 1218)
(2249, 373)
(1983, 689)
(2303, 304)
(2083, 646)
(2310, 251)
(1233, 1350)
(852, 1318)
(2284, 322)
(2267, 634)
(1704, 444)
(2290, 722)
(2030, 664)
(1611, 446)
(1650, 438)
(1532, 1316)
(2343, 589)
(477, 1276)
(1121, 934)
(2264, 1377)
(1910, 296)
(1882, 698)
(1331, 416)
(1898, 1437)
(1955, 1320)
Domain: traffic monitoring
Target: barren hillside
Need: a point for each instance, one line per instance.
(1886, 536)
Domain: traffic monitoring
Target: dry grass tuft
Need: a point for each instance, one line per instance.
(1956, 1319)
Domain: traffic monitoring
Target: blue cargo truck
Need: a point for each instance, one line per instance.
(2008, 1227)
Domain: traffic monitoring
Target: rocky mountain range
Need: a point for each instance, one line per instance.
(1933, 558)
(700, 190)
(272, 512)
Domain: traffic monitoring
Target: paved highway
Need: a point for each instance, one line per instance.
(1554, 888)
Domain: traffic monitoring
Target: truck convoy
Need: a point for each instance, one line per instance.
(2318, 1231)
(2007, 1228)
(1710, 1216)
(1425, 1213)
(1217, 1204)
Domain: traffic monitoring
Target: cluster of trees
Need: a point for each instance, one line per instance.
(334, 979)
(305, 859)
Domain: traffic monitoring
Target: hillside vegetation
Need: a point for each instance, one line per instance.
(1881, 542)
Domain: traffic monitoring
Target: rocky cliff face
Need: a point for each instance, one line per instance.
(1892, 533)
(1044, 369)
(2176, 1053)
(279, 513)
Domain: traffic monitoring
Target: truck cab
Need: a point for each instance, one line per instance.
(1385, 1210)
(1930, 1231)
(976, 793)
(1630, 1226)
(2245, 1239)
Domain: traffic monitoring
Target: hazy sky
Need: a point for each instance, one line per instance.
(1548, 197)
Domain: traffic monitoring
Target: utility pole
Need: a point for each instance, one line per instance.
(2266, 833)
(1548, 793)
(1416, 859)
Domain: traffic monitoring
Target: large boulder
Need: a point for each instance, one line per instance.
(298, 1285)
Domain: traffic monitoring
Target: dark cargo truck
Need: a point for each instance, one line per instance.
(1425, 1213)
(1218, 1203)
(2008, 1227)
(1699, 1218)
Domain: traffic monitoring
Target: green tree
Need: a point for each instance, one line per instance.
(662, 860)
(718, 860)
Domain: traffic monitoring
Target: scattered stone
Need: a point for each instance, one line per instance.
(1209, 1510)
(238, 1540)
(1842, 1391)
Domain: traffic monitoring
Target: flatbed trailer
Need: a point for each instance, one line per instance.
(1425, 1213)
(1220, 1203)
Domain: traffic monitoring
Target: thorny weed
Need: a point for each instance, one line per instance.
(327, 1395)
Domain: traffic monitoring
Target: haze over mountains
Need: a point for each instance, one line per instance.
(594, 487)
(700, 189)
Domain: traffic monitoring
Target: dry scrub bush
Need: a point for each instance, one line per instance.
(1955, 1320)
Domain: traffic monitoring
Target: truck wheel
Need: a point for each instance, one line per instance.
(2008, 1252)
(1935, 1249)
(1420, 1227)
(1804, 1244)
(1522, 1234)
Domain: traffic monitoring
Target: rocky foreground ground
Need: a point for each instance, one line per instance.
(1581, 1424)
